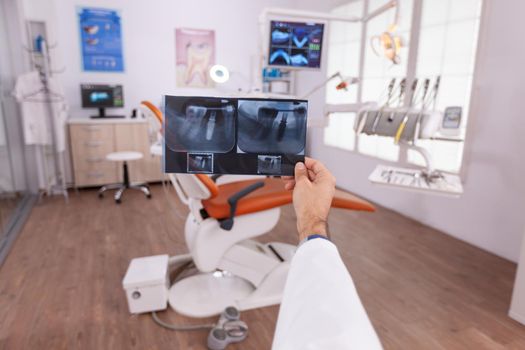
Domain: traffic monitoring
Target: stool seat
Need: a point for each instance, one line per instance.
(123, 156)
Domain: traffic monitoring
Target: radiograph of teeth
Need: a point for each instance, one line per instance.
(200, 124)
(271, 126)
(268, 165)
(200, 163)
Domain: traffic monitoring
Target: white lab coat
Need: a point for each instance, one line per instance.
(320, 307)
(35, 114)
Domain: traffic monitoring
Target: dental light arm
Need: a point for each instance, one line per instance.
(227, 224)
(345, 82)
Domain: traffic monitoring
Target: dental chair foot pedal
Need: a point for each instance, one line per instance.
(146, 284)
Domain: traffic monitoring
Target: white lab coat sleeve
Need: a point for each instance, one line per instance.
(320, 307)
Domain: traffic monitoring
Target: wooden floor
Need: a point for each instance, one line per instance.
(60, 287)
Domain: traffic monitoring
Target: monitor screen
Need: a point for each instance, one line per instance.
(102, 96)
(295, 44)
(224, 135)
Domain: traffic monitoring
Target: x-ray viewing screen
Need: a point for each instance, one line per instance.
(215, 135)
(295, 44)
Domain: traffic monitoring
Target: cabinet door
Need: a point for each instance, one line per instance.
(134, 137)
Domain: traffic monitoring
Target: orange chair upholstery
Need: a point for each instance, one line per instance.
(154, 109)
(271, 195)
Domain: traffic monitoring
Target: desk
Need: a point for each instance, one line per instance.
(92, 139)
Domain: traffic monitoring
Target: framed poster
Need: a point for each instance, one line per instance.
(194, 55)
(100, 40)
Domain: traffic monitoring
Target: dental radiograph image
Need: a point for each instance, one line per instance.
(200, 163)
(269, 165)
(271, 126)
(200, 124)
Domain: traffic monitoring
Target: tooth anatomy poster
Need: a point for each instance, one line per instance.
(216, 135)
(194, 55)
(101, 40)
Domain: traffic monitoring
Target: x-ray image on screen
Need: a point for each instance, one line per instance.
(200, 124)
(271, 126)
(233, 135)
(295, 44)
(200, 163)
(269, 165)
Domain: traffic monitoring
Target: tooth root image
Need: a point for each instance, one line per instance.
(199, 124)
(202, 163)
(269, 165)
(271, 126)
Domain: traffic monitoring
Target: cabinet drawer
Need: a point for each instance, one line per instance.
(96, 176)
(93, 162)
(95, 132)
(91, 149)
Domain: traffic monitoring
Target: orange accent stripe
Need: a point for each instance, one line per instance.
(210, 185)
(154, 109)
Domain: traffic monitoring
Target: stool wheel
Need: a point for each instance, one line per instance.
(148, 196)
(101, 195)
(118, 201)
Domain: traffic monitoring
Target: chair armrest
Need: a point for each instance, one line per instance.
(227, 224)
(215, 177)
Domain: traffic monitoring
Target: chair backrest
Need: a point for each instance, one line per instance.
(154, 118)
(195, 187)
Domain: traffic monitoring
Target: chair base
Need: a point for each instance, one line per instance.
(208, 294)
(120, 188)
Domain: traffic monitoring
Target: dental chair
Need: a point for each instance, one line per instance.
(226, 213)
(233, 268)
(154, 117)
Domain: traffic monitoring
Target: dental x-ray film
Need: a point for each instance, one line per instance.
(215, 135)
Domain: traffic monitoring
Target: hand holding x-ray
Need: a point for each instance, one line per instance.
(313, 190)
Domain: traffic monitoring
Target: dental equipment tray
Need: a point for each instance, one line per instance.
(417, 180)
(223, 135)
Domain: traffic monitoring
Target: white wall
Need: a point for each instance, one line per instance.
(490, 213)
(148, 41)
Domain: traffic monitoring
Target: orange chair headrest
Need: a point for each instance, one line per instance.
(154, 109)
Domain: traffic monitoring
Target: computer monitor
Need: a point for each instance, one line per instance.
(295, 44)
(102, 97)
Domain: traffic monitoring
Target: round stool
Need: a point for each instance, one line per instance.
(124, 157)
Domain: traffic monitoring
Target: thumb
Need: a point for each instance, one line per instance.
(300, 172)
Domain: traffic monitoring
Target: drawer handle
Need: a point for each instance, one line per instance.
(95, 175)
(94, 143)
(95, 159)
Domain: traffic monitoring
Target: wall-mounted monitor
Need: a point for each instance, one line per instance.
(295, 45)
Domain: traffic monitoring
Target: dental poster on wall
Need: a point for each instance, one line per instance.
(101, 40)
(223, 135)
(194, 55)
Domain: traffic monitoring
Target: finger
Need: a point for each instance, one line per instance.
(311, 175)
(314, 165)
(301, 173)
(289, 185)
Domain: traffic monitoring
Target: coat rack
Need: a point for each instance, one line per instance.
(55, 183)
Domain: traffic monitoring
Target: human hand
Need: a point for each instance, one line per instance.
(313, 189)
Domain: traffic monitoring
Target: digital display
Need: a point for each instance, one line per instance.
(101, 96)
(295, 44)
(215, 135)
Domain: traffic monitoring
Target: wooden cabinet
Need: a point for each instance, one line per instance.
(91, 140)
